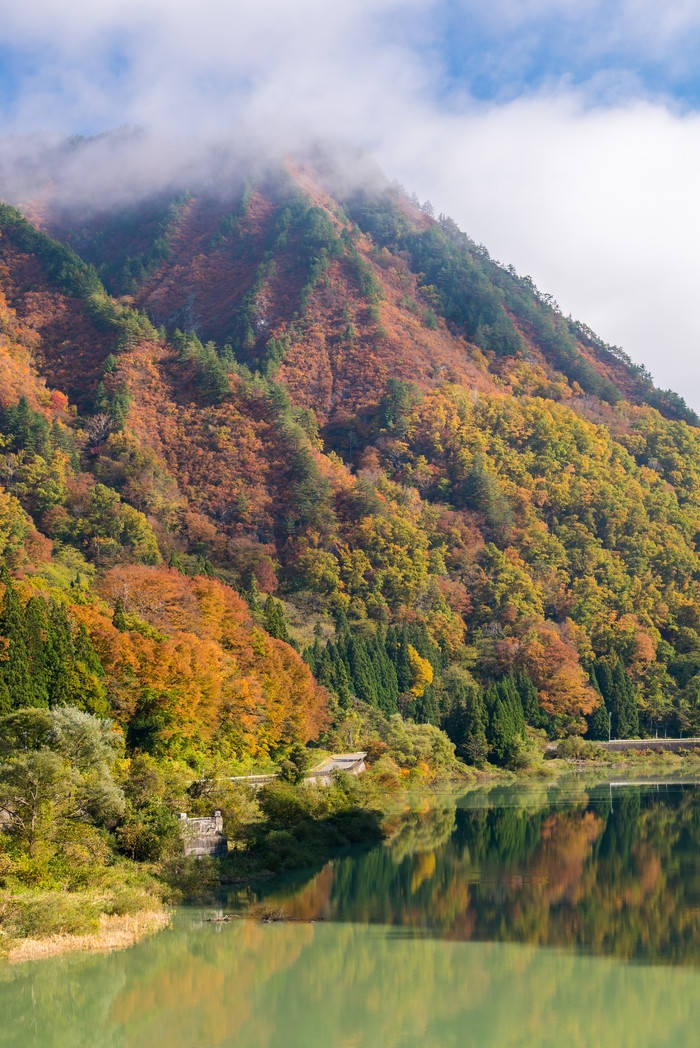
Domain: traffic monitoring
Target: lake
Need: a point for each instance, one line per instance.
(551, 916)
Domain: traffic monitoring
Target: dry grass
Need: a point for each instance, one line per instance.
(268, 912)
(115, 933)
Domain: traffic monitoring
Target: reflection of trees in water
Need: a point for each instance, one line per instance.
(345, 985)
(610, 875)
(616, 874)
(618, 878)
(421, 832)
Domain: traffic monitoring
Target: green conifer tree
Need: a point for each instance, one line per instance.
(599, 723)
(465, 724)
(37, 637)
(362, 672)
(274, 619)
(624, 711)
(58, 656)
(87, 690)
(529, 698)
(14, 669)
(397, 650)
(325, 669)
(341, 684)
(604, 680)
(118, 618)
(252, 594)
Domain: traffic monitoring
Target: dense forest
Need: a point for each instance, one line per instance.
(286, 467)
(272, 456)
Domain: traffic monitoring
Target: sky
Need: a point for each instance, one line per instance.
(564, 135)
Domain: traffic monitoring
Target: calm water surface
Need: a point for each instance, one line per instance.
(529, 919)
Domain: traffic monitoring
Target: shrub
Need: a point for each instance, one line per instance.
(576, 748)
(54, 913)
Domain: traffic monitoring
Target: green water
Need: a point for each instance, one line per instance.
(521, 919)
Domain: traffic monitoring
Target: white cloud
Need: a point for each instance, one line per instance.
(599, 206)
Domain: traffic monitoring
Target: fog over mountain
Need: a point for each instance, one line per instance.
(563, 138)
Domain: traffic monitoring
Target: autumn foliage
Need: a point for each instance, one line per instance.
(197, 668)
(349, 405)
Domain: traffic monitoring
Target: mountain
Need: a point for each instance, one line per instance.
(306, 389)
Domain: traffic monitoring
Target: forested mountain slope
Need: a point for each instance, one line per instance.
(474, 511)
(89, 520)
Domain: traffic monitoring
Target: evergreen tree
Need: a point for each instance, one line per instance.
(482, 491)
(625, 718)
(5, 700)
(58, 656)
(362, 673)
(84, 652)
(465, 724)
(529, 699)
(512, 705)
(506, 721)
(385, 678)
(253, 594)
(598, 723)
(274, 619)
(87, 690)
(324, 669)
(14, 669)
(618, 692)
(424, 708)
(341, 684)
(37, 635)
(312, 657)
(118, 618)
(397, 646)
(604, 681)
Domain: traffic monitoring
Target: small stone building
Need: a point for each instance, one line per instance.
(203, 836)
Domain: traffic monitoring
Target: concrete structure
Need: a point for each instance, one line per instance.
(203, 836)
(254, 780)
(674, 745)
(623, 745)
(352, 763)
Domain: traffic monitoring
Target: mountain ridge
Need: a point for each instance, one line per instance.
(347, 403)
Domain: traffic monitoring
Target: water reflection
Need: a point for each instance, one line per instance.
(613, 871)
(248, 985)
(434, 939)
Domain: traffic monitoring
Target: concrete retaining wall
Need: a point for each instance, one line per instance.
(622, 745)
(203, 836)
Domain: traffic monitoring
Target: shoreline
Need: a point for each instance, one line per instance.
(115, 932)
(120, 931)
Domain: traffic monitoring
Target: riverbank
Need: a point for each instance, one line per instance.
(280, 829)
(578, 755)
(115, 932)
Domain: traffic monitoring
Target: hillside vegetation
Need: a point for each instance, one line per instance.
(281, 468)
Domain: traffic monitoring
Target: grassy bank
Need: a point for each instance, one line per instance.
(575, 754)
(43, 912)
(114, 932)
